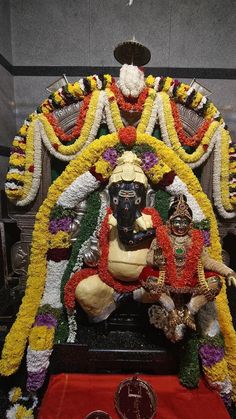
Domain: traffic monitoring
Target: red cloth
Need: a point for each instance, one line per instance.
(74, 396)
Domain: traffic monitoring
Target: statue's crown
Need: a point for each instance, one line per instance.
(128, 169)
(181, 208)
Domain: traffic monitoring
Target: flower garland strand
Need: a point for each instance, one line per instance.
(194, 140)
(192, 257)
(60, 133)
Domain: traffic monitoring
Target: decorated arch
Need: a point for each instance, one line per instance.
(168, 154)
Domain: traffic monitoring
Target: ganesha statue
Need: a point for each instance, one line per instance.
(173, 269)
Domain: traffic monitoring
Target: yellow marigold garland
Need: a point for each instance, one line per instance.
(115, 112)
(41, 338)
(224, 179)
(85, 131)
(147, 110)
(173, 137)
(215, 372)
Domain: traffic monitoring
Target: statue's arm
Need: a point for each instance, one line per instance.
(219, 267)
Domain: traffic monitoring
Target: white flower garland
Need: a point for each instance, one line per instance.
(159, 107)
(217, 182)
(212, 144)
(78, 190)
(178, 187)
(37, 169)
(52, 291)
(156, 110)
(78, 265)
(157, 83)
(37, 360)
(72, 324)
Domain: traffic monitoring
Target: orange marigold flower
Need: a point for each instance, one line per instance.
(127, 135)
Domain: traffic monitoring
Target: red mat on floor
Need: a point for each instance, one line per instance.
(73, 396)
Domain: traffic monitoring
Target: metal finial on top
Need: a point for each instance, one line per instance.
(132, 52)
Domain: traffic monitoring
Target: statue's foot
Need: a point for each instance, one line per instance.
(173, 319)
(189, 320)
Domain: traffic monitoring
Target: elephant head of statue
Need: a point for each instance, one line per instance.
(127, 190)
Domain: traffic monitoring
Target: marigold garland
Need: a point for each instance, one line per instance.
(194, 140)
(60, 133)
(79, 142)
(192, 257)
(224, 178)
(129, 104)
(174, 140)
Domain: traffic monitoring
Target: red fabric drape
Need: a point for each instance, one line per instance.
(73, 396)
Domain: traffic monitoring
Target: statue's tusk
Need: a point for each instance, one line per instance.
(112, 221)
(141, 223)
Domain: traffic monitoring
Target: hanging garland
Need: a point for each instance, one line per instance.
(185, 140)
(26, 145)
(60, 133)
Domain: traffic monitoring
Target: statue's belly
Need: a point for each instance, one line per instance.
(124, 264)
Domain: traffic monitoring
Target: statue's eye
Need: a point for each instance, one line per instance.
(138, 200)
(115, 200)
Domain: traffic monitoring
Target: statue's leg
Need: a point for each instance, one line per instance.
(146, 297)
(207, 320)
(95, 298)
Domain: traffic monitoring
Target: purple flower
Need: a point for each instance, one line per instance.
(206, 237)
(149, 160)
(62, 224)
(210, 355)
(227, 399)
(46, 320)
(110, 155)
(36, 379)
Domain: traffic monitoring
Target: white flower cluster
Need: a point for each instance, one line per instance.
(78, 190)
(52, 290)
(37, 360)
(131, 81)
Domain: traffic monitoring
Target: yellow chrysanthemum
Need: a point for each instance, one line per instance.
(17, 159)
(93, 82)
(108, 79)
(23, 130)
(217, 372)
(15, 176)
(24, 413)
(14, 394)
(168, 83)
(150, 80)
(211, 111)
(196, 100)
(76, 89)
(41, 338)
(103, 168)
(60, 239)
(19, 144)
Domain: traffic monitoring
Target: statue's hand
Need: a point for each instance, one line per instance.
(142, 224)
(231, 279)
(151, 285)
